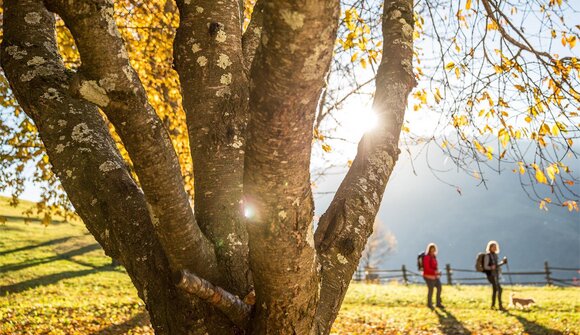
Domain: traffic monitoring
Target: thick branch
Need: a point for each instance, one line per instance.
(214, 88)
(345, 227)
(231, 305)
(287, 76)
(107, 79)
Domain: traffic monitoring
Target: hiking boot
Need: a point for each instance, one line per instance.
(440, 306)
(431, 307)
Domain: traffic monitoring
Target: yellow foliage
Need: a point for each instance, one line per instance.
(572, 205)
(552, 170)
(540, 176)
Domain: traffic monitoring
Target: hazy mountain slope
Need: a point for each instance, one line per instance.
(419, 209)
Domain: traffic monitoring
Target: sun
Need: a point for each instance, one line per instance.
(355, 121)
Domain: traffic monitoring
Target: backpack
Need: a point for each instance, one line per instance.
(420, 258)
(479, 262)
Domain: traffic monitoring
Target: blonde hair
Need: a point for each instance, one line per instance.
(429, 247)
(489, 244)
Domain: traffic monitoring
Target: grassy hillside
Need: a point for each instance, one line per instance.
(56, 280)
(10, 211)
(17, 213)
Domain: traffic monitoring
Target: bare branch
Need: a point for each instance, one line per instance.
(231, 305)
(345, 227)
(507, 36)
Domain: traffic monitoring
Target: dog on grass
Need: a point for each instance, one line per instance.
(523, 303)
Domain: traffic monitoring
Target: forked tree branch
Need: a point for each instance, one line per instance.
(107, 79)
(343, 230)
(85, 158)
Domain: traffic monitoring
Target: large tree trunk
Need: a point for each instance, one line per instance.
(250, 100)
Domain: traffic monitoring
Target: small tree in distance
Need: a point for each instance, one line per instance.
(380, 245)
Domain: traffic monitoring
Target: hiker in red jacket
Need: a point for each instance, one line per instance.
(431, 275)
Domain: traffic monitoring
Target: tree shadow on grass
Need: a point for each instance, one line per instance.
(29, 247)
(66, 255)
(449, 324)
(532, 327)
(139, 320)
(49, 279)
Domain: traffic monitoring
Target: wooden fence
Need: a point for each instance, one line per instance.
(452, 276)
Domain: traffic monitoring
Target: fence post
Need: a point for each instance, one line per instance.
(404, 269)
(548, 277)
(448, 270)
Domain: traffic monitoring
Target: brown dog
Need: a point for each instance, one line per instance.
(523, 303)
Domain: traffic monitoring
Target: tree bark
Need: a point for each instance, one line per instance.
(106, 79)
(287, 76)
(208, 60)
(344, 229)
(272, 76)
(92, 172)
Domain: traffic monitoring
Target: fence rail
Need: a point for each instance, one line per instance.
(407, 276)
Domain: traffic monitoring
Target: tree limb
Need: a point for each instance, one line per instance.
(214, 89)
(106, 79)
(231, 305)
(345, 227)
(287, 77)
(507, 36)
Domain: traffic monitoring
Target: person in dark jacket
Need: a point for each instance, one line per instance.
(431, 274)
(491, 266)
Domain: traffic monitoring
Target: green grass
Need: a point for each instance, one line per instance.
(56, 280)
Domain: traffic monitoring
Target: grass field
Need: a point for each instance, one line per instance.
(56, 280)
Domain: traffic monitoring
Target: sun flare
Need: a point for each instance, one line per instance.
(357, 121)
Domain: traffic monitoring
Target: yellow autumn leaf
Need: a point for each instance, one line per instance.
(468, 5)
(543, 205)
(449, 66)
(363, 63)
(504, 137)
(437, 95)
(571, 41)
(354, 57)
(326, 148)
(46, 220)
(552, 170)
(521, 167)
(571, 204)
(541, 177)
